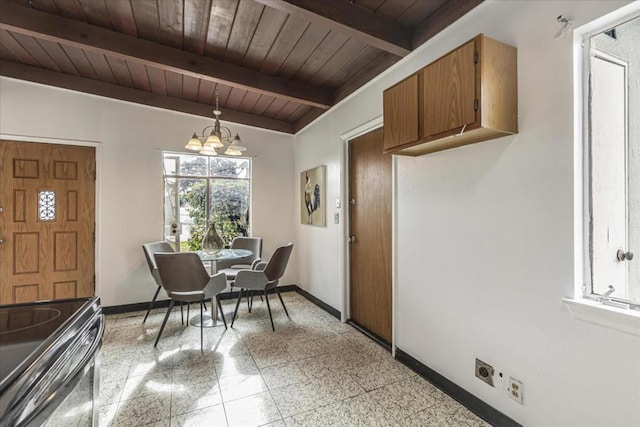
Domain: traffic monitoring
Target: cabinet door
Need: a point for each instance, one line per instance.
(400, 109)
(449, 91)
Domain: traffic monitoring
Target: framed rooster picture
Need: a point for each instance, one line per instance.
(312, 189)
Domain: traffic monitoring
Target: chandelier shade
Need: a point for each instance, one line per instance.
(218, 139)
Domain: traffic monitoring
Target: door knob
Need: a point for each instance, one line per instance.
(1, 209)
(622, 255)
(1, 240)
(351, 239)
(352, 201)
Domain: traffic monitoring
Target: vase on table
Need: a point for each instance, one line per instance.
(212, 243)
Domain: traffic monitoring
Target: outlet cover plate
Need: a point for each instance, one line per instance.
(484, 371)
(515, 390)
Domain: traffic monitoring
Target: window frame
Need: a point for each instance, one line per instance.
(208, 177)
(582, 58)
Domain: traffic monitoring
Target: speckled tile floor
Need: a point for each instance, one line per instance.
(312, 371)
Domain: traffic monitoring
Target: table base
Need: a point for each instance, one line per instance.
(209, 321)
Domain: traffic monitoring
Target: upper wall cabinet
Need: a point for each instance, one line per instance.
(469, 95)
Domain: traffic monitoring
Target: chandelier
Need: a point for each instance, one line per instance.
(219, 140)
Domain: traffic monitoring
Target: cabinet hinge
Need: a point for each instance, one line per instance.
(475, 57)
(475, 105)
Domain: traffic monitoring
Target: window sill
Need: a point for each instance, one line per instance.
(624, 320)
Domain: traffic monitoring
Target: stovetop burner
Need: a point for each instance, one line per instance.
(23, 327)
(20, 320)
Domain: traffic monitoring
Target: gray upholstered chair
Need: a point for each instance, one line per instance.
(185, 279)
(231, 267)
(264, 278)
(150, 249)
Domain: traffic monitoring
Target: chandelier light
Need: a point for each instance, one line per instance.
(219, 140)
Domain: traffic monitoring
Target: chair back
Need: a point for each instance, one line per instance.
(150, 249)
(253, 244)
(278, 263)
(181, 271)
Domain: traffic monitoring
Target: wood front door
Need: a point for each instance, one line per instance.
(370, 231)
(47, 221)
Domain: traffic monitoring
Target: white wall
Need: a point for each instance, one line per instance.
(130, 143)
(485, 235)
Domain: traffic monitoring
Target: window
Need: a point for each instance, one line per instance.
(201, 190)
(613, 164)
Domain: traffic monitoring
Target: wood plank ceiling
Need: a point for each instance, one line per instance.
(274, 64)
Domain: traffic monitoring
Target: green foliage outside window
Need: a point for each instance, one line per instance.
(229, 210)
(228, 202)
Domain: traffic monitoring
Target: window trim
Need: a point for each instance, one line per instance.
(582, 305)
(208, 178)
(591, 311)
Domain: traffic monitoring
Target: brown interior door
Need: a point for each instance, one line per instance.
(47, 221)
(370, 226)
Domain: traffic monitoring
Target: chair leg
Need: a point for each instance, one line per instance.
(253, 294)
(181, 313)
(221, 312)
(201, 323)
(166, 316)
(269, 308)
(235, 312)
(189, 306)
(249, 300)
(283, 306)
(151, 304)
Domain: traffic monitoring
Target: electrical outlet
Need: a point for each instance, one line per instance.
(515, 390)
(484, 371)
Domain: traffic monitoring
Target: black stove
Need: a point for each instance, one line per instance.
(48, 352)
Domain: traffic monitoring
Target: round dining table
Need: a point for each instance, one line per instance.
(210, 320)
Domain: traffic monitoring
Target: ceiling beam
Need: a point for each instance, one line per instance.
(31, 22)
(365, 75)
(447, 14)
(109, 90)
(350, 19)
(307, 118)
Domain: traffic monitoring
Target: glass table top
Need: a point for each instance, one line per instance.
(223, 254)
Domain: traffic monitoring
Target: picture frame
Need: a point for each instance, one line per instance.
(312, 196)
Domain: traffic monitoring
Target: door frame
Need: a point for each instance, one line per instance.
(365, 128)
(98, 152)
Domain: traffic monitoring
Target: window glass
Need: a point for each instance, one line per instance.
(200, 191)
(185, 165)
(230, 167)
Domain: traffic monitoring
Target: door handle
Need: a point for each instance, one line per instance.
(622, 255)
(1, 240)
(351, 239)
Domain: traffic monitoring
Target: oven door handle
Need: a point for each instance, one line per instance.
(44, 396)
